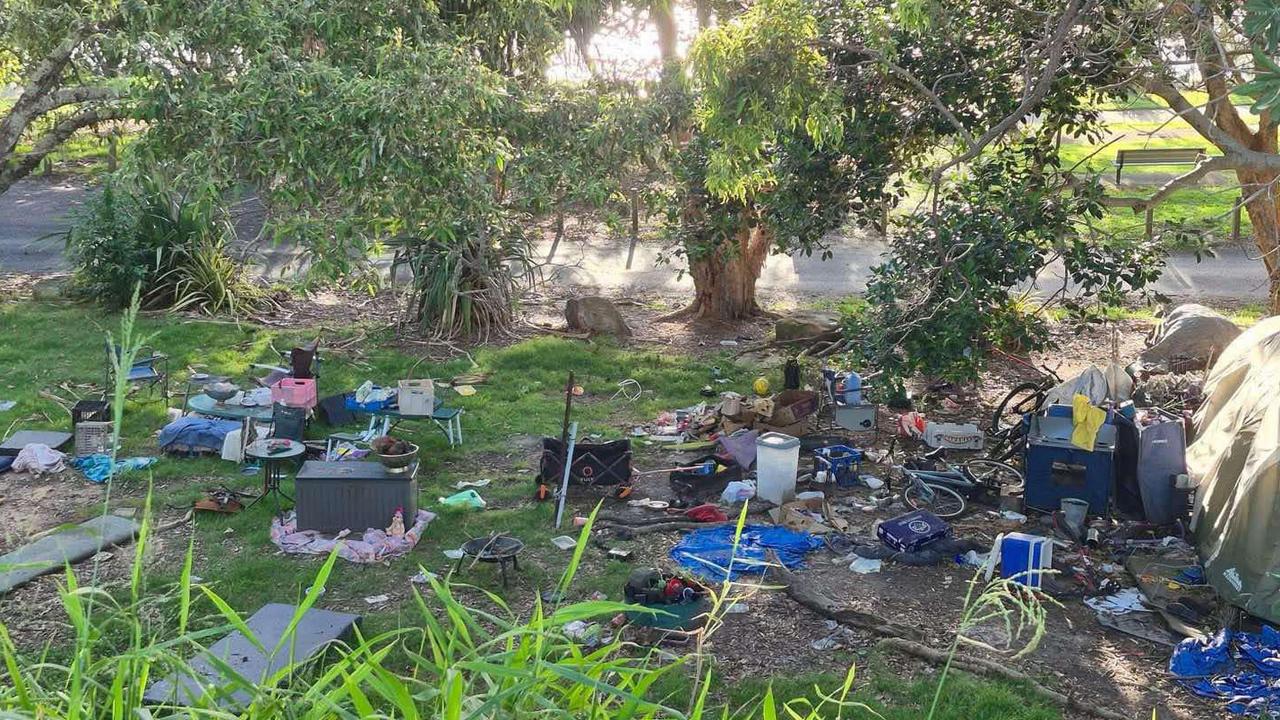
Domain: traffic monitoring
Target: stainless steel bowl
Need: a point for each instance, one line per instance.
(221, 392)
(400, 461)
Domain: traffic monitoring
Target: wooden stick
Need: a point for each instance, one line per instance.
(805, 594)
(987, 668)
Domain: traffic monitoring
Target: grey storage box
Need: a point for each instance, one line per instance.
(335, 496)
(858, 418)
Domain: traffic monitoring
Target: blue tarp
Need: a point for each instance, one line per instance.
(1239, 667)
(707, 552)
(97, 467)
(196, 433)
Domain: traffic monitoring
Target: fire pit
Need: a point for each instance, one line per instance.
(500, 549)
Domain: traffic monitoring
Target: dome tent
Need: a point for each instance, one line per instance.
(1236, 456)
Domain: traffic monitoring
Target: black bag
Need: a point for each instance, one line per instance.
(692, 488)
(1127, 493)
(593, 463)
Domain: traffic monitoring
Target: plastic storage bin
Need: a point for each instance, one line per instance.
(417, 397)
(1057, 469)
(92, 437)
(295, 392)
(953, 436)
(1024, 558)
(777, 464)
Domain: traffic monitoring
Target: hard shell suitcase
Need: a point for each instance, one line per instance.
(913, 531)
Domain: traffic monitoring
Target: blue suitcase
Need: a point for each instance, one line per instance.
(913, 531)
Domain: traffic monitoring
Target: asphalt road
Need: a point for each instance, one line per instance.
(36, 210)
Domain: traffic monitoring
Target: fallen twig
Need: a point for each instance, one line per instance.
(979, 666)
(807, 595)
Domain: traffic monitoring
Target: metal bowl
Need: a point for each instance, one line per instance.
(495, 548)
(221, 392)
(400, 461)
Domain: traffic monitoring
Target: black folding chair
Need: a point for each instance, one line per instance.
(302, 363)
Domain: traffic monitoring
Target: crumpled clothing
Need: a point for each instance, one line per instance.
(38, 458)
(98, 468)
(196, 433)
(706, 513)
(1248, 680)
(1086, 421)
(374, 546)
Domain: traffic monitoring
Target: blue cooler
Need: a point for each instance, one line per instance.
(1025, 558)
(1057, 469)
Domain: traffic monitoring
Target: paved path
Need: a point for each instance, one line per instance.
(35, 209)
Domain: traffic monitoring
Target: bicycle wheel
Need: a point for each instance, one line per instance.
(937, 499)
(995, 474)
(1021, 400)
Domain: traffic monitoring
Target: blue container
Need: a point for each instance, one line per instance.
(1057, 469)
(851, 394)
(842, 461)
(1024, 558)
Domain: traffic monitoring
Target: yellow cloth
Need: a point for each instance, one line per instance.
(1086, 420)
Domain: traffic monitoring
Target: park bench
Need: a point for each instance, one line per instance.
(1163, 156)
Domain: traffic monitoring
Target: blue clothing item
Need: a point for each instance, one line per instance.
(710, 553)
(1248, 679)
(6, 462)
(197, 433)
(97, 467)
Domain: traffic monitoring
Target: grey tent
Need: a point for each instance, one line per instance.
(1236, 456)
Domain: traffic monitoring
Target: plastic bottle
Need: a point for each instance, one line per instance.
(852, 388)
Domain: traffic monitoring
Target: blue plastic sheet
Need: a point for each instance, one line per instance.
(97, 467)
(708, 553)
(196, 433)
(1242, 669)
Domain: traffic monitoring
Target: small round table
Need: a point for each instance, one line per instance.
(273, 452)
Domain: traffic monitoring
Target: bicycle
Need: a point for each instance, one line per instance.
(938, 490)
(1007, 435)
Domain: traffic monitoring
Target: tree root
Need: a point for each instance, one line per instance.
(987, 668)
(808, 596)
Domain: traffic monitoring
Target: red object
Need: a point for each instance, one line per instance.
(673, 588)
(706, 513)
(294, 392)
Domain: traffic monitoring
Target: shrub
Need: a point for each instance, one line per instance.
(171, 248)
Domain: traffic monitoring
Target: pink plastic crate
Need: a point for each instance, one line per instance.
(295, 393)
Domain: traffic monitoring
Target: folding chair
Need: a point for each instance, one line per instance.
(302, 363)
(149, 368)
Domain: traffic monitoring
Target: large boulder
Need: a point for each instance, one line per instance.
(595, 315)
(1188, 338)
(807, 325)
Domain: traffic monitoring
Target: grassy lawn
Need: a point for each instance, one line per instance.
(59, 348)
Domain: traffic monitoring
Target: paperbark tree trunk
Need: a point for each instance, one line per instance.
(724, 281)
(1259, 189)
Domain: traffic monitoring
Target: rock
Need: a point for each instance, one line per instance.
(54, 288)
(596, 315)
(1187, 339)
(808, 324)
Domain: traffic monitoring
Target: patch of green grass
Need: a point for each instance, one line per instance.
(1197, 98)
(52, 345)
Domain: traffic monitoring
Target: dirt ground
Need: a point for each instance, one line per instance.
(1077, 656)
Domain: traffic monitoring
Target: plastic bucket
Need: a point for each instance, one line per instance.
(1074, 511)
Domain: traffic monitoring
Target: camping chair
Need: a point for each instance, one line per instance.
(287, 422)
(149, 368)
(302, 363)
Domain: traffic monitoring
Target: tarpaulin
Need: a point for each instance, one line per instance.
(1240, 668)
(711, 553)
(97, 467)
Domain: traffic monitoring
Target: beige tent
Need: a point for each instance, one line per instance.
(1236, 455)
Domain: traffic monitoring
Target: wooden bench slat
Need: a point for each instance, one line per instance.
(1157, 156)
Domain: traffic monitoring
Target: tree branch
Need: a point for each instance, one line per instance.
(58, 134)
(1202, 168)
(20, 118)
(1239, 154)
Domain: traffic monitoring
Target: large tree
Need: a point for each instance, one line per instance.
(69, 61)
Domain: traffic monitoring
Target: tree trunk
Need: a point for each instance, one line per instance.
(1260, 189)
(662, 13)
(724, 281)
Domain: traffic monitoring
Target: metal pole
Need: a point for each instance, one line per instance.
(564, 481)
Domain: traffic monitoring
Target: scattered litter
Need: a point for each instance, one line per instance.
(973, 558)
(464, 390)
(737, 608)
(1012, 516)
(872, 482)
(464, 499)
(454, 554)
(7, 405)
(865, 566)
(598, 596)
(377, 599)
(102, 556)
(839, 637)
(729, 343)
(649, 503)
(464, 484)
(38, 459)
(564, 542)
(581, 632)
(1244, 679)
(737, 491)
(423, 577)
(1121, 603)
(373, 546)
